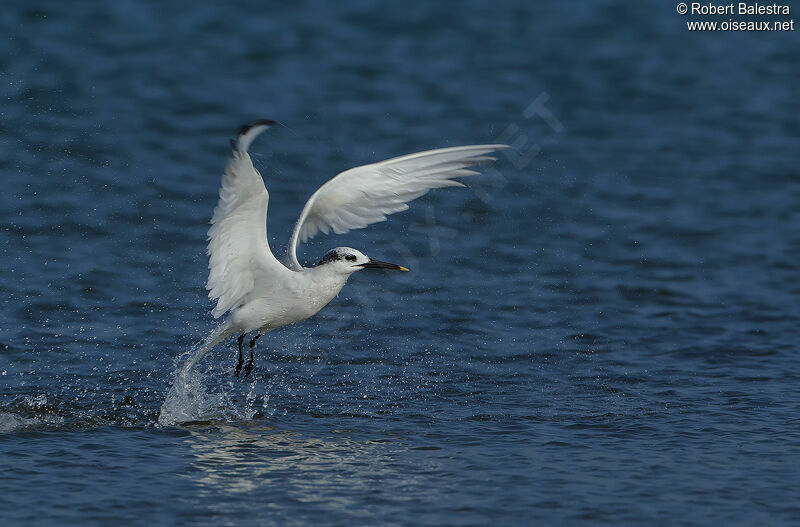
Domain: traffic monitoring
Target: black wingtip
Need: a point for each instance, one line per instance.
(244, 137)
(258, 122)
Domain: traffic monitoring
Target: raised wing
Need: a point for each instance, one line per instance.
(237, 239)
(367, 194)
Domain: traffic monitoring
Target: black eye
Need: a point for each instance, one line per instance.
(350, 258)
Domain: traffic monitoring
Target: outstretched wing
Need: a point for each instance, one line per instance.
(237, 239)
(367, 194)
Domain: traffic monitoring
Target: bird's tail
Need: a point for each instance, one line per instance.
(186, 399)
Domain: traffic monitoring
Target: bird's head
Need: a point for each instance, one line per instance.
(345, 260)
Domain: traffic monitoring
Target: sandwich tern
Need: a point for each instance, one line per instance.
(262, 293)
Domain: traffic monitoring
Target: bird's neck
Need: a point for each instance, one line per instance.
(326, 282)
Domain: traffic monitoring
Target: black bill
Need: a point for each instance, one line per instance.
(377, 264)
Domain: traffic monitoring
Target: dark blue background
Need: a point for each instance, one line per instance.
(605, 331)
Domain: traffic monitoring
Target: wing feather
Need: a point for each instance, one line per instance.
(237, 240)
(368, 194)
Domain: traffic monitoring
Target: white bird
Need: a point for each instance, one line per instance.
(262, 293)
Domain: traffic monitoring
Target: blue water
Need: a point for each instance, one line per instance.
(602, 329)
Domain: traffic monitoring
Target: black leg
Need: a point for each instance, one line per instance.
(249, 366)
(241, 359)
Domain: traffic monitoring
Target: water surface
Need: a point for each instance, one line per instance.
(602, 329)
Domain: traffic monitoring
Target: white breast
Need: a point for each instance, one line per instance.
(297, 296)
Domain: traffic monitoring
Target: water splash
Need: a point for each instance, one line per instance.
(11, 422)
(189, 397)
(30, 411)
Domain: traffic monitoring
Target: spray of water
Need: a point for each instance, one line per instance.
(188, 398)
